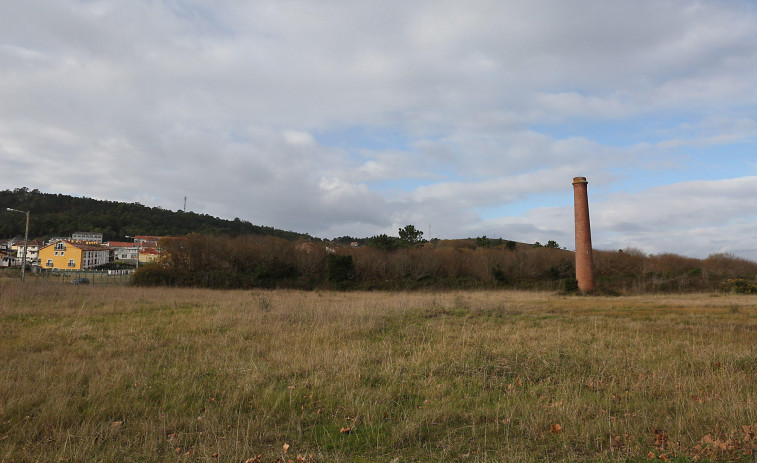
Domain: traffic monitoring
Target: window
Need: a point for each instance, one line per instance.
(71, 263)
(49, 262)
(56, 253)
(60, 245)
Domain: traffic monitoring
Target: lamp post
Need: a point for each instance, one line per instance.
(26, 242)
(139, 246)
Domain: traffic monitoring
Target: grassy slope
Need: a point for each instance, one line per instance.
(131, 374)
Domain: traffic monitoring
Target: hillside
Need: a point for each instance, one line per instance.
(61, 215)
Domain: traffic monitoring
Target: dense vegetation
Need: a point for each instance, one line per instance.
(61, 215)
(270, 262)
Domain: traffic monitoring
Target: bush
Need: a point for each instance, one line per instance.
(570, 285)
(153, 275)
(270, 262)
(384, 242)
(500, 276)
(738, 286)
(340, 269)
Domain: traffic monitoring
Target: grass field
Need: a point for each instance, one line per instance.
(149, 374)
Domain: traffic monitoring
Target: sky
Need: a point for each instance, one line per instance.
(357, 118)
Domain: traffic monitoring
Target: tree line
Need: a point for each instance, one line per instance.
(272, 262)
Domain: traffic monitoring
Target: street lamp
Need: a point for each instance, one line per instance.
(26, 242)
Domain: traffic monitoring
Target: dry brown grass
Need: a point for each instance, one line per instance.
(150, 374)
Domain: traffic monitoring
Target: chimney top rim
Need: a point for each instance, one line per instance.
(579, 180)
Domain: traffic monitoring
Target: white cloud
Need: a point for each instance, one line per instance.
(471, 107)
(690, 218)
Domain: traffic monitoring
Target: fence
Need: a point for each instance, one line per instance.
(95, 277)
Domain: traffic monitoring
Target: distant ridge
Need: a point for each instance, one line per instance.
(61, 215)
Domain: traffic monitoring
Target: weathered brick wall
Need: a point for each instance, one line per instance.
(584, 262)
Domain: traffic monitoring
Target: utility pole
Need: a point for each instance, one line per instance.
(185, 204)
(26, 242)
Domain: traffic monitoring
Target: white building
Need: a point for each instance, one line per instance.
(89, 237)
(124, 250)
(32, 251)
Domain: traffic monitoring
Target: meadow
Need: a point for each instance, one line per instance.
(113, 373)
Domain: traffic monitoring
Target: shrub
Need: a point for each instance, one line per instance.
(499, 275)
(340, 269)
(153, 275)
(737, 285)
(570, 285)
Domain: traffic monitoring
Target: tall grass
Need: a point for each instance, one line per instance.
(147, 374)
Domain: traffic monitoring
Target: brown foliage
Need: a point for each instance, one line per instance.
(265, 261)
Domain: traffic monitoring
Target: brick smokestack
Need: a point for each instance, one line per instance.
(584, 262)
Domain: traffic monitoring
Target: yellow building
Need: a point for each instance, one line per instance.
(72, 255)
(147, 255)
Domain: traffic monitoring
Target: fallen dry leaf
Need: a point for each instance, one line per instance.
(749, 432)
(286, 448)
(661, 438)
(555, 428)
(345, 430)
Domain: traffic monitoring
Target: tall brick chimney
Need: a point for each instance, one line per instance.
(584, 263)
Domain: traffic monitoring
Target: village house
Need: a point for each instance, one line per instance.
(8, 259)
(73, 255)
(124, 251)
(147, 241)
(149, 247)
(8, 254)
(32, 251)
(87, 237)
(148, 255)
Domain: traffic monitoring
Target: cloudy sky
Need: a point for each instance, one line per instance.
(336, 118)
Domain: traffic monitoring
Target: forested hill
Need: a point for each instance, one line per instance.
(61, 215)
